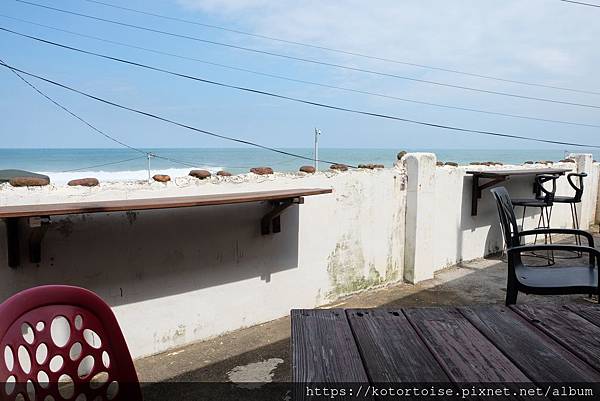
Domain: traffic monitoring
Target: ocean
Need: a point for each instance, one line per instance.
(63, 165)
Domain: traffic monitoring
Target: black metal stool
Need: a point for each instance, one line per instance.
(544, 201)
(574, 200)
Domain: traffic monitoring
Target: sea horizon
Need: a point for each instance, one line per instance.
(64, 164)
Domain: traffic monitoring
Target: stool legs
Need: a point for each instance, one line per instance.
(545, 216)
(575, 218)
(543, 222)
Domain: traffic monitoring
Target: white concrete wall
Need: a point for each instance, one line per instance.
(459, 236)
(181, 275)
(177, 276)
(595, 190)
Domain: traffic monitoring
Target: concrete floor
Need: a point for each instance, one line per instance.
(262, 353)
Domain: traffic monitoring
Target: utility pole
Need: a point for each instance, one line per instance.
(317, 133)
(148, 157)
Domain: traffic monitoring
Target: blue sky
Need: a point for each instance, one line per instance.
(544, 41)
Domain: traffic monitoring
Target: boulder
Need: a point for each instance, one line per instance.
(223, 173)
(7, 175)
(308, 169)
(371, 166)
(475, 163)
(339, 167)
(439, 164)
(161, 178)
(567, 161)
(84, 182)
(400, 154)
(528, 162)
(261, 170)
(29, 181)
(453, 164)
(200, 174)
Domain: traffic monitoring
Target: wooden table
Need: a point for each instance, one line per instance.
(39, 215)
(498, 176)
(523, 345)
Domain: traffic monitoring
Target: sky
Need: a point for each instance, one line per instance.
(548, 42)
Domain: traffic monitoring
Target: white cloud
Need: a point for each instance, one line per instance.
(510, 37)
(543, 41)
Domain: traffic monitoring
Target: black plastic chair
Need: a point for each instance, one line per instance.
(557, 280)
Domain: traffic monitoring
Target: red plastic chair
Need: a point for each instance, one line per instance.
(63, 343)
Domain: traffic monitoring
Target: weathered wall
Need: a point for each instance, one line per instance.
(458, 236)
(595, 191)
(177, 276)
(180, 275)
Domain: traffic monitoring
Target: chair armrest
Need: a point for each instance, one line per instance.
(571, 231)
(594, 253)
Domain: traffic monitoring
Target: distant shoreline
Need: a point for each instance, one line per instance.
(125, 164)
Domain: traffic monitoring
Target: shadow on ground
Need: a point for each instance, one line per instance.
(262, 353)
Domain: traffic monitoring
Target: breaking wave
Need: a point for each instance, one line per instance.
(112, 176)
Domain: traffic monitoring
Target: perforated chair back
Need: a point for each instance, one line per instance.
(508, 220)
(63, 343)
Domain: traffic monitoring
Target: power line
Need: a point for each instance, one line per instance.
(183, 163)
(241, 88)
(195, 165)
(581, 3)
(300, 59)
(329, 86)
(166, 119)
(104, 164)
(110, 137)
(339, 51)
(385, 116)
(73, 114)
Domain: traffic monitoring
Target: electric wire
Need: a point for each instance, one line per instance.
(331, 107)
(305, 60)
(339, 51)
(102, 165)
(168, 120)
(581, 3)
(158, 69)
(73, 114)
(110, 137)
(320, 84)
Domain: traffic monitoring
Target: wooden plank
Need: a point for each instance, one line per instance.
(464, 353)
(529, 171)
(534, 353)
(589, 312)
(567, 328)
(323, 348)
(154, 203)
(392, 351)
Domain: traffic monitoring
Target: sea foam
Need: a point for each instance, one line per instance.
(117, 176)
